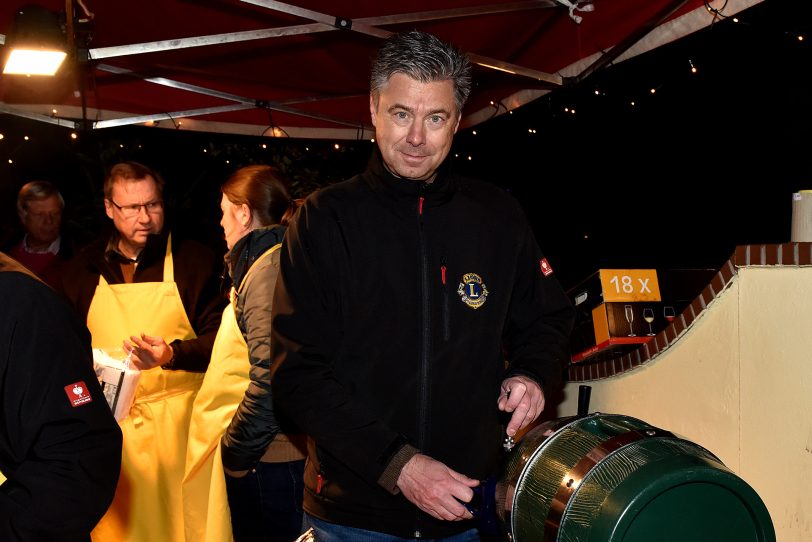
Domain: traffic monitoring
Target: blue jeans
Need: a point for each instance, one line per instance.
(266, 505)
(331, 532)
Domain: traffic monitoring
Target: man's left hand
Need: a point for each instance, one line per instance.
(435, 488)
(523, 397)
(148, 352)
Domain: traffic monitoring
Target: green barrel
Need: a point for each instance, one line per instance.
(613, 478)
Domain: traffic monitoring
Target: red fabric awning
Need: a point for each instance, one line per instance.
(190, 64)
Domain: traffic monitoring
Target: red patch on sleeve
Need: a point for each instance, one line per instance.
(545, 267)
(78, 394)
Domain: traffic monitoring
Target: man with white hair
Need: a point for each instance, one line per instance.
(42, 249)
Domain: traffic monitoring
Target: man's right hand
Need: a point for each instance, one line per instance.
(147, 352)
(436, 489)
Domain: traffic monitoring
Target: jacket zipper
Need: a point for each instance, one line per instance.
(423, 421)
(446, 321)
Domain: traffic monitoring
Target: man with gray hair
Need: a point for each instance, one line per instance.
(42, 250)
(402, 292)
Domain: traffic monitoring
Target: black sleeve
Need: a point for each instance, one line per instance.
(60, 448)
(197, 273)
(79, 280)
(306, 337)
(540, 317)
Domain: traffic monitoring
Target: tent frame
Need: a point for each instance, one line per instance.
(89, 59)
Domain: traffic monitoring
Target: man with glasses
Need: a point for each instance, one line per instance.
(42, 248)
(156, 300)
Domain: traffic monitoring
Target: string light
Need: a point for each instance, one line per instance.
(74, 135)
(26, 138)
(337, 146)
(2, 136)
(693, 68)
(473, 132)
(497, 106)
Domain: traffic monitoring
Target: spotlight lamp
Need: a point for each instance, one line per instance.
(36, 44)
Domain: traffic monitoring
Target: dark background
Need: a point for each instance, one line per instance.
(708, 162)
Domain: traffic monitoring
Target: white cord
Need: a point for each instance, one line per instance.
(573, 6)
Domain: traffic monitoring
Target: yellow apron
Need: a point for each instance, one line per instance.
(205, 503)
(147, 506)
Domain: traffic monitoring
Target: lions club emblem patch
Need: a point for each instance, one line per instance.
(472, 290)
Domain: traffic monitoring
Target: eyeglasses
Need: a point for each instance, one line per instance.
(131, 211)
(55, 215)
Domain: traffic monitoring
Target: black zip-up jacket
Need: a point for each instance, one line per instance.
(397, 305)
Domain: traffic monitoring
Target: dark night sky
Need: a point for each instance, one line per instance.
(707, 163)
(679, 180)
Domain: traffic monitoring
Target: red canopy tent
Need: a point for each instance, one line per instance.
(268, 68)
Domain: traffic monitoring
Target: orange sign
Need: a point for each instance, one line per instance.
(630, 285)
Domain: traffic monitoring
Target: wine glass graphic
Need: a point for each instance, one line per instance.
(668, 312)
(629, 312)
(648, 316)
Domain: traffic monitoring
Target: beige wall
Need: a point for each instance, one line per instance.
(739, 383)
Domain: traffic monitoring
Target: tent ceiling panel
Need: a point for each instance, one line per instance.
(245, 66)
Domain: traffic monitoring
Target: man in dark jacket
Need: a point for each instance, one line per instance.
(133, 251)
(60, 448)
(401, 292)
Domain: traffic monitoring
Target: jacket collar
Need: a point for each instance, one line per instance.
(253, 245)
(154, 249)
(436, 193)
